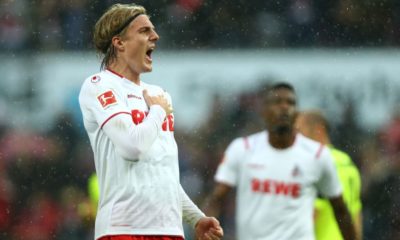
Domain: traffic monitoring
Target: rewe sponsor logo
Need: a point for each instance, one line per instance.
(269, 186)
(138, 117)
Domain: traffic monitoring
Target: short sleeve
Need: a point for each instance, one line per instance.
(328, 183)
(100, 101)
(228, 170)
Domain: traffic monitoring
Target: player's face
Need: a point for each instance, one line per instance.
(280, 110)
(139, 42)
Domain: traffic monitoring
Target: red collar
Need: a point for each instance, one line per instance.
(119, 75)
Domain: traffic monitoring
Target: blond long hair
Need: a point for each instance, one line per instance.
(112, 23)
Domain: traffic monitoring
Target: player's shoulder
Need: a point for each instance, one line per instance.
(342, 159)
(258, 136)
(249, 142)
(98, 82)
(340, 155)
(310, 146)
(95, 81)
(93, 85)
(306, 142)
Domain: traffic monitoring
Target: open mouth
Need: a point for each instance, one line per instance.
(148, 53)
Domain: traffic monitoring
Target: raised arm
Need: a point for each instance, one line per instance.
(131, 140)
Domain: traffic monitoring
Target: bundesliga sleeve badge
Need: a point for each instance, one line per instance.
(107, 99)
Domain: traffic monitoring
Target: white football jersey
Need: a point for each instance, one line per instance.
(136, 159)
(276, 188)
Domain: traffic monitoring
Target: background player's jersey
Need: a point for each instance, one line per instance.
(137, 196)
(326, 227)
(276, 188)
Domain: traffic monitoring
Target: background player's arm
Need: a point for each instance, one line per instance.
(330, 187)
(225, 177)
(351, 182)
(358, 226)
(213, 203)
(343, 218)
(354, 201)
(356, 207)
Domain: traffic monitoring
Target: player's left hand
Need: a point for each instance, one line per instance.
(208, 228)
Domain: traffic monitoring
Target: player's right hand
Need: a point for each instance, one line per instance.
(208, 228)
(157, 100)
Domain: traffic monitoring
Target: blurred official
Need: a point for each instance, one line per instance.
(314, 125)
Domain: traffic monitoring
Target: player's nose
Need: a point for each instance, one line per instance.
(154, 36)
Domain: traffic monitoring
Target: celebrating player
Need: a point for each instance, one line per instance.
(278, 174)
(131, 130)
(314, 125)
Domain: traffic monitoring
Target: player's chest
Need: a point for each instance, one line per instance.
(135, 101)
(279, 164)
(279, 173)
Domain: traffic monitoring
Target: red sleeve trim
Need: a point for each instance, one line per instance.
(319, 151)
(246, 143)
(115, 114)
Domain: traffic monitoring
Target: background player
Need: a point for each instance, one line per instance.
(131, 131)
(278, 174)
(315, 126)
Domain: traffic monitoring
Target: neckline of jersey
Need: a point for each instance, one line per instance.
(115, 74)
(279, 149)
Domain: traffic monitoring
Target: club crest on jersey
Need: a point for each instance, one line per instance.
(95, 79)
(107, 99)
(296, 171)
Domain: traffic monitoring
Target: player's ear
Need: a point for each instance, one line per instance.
(117, 43)
(296, 120)
(319, 129)
(296, 115)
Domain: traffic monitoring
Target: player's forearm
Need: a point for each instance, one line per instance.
(214, 202)
(343, 218)
(213, 205)
(345, 223)
(131, 140)
(358, 226)
(190, 212)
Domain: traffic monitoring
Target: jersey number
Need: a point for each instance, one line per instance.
(138, 117)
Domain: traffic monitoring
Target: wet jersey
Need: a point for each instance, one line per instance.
(136, 159)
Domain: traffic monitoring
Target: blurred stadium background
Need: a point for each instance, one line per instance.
(341, 55)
